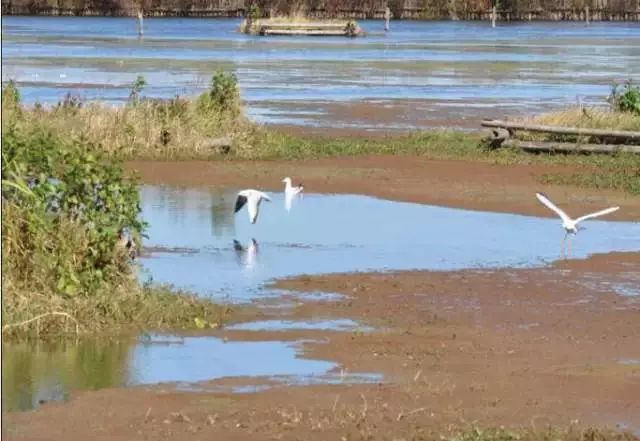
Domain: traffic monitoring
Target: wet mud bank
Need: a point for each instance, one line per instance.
(493, 347)
(451, 183)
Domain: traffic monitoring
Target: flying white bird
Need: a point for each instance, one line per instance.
(571, 225)
(289, 188)
(253, 198)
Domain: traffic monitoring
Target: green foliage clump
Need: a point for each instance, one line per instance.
(626, 98)
(10, 97)
(136, 89)
(65, 206)
(223, 96)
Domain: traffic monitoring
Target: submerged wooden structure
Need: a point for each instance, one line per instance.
(596, 140)
(344, 28)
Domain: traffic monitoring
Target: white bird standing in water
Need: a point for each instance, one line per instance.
(253, 199)
(571, 225)
(290, 192)
(289, 188)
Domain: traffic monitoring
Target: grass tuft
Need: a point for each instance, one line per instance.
(549, 434)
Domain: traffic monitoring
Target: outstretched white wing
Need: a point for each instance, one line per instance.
(253, 207)
(597, 214)
(252, 199)
(546, 201)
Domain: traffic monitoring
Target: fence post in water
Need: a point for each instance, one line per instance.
(140, 23)
(586, 14)
(493, 16)
(387, 17)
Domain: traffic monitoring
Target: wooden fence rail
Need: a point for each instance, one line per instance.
(617, 140)
(578, 131)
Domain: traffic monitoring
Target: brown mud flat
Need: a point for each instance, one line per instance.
(514, 347)
(453, 183)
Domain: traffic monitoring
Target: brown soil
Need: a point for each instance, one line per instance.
(493, 347)
(453, 183)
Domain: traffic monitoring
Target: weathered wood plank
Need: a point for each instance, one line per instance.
(303, 32)
(304, 25)
(620, 134)
(569, 147)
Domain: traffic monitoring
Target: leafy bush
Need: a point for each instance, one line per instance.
(65, 205)
(136, 89)
(223, 96)
(626, 98)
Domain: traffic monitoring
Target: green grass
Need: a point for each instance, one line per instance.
(124, 308)
(549, 434)
(181, 129)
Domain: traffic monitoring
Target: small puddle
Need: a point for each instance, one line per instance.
(310, 325)
(50, 372)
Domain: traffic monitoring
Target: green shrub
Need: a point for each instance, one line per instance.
(625, 98)
(10, 99)
(65, 205)
(136, 89)
(223, 96)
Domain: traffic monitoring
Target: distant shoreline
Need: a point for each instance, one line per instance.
(24, 8)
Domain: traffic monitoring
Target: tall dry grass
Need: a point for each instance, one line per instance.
(589, 117)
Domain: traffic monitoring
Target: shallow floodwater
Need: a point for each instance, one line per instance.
(33, 375)
(342, 233)
(191, 245)
(422, 73)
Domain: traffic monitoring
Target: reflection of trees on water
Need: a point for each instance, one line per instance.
(50, 371)
(222, 215)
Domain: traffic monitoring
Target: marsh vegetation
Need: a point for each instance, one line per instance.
(67, 206)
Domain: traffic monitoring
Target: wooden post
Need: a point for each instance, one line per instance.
(493, 16)
(387, 17)
(586, 14)
(140, 23)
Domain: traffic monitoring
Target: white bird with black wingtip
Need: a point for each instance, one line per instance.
(290, 192)
(253, 199)
(571, 225)
(290, 189)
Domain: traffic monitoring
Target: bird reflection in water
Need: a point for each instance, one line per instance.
(289, 198)
(247, 256)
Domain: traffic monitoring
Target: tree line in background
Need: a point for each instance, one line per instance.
(463, 9)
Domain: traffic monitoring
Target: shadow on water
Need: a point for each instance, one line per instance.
(33, 374)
